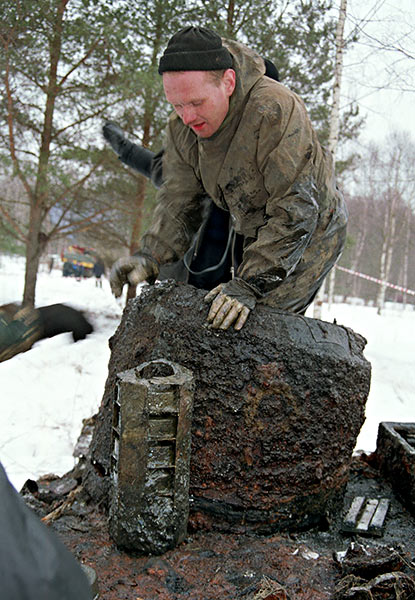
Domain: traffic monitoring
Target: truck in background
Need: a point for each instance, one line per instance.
(78, 261)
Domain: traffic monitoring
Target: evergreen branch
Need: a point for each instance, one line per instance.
(12, 145)
(16, 228)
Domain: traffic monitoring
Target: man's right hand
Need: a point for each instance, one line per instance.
(132, 270)
(114, 136)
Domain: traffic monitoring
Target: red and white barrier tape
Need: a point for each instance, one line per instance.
(391, 285)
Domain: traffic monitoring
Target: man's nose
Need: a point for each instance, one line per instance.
(188, 114)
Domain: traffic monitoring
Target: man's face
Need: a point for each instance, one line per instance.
(201, 103)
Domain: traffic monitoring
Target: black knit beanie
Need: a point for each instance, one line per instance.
(195, 49)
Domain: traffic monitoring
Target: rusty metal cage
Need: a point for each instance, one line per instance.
(151, 440)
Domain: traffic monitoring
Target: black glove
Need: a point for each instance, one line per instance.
(58, 318)
(232, 301)
(132, 270)
(114, 136)
(137, 157)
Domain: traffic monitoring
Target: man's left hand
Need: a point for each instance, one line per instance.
(232, 303)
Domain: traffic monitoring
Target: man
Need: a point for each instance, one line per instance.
(246, 141)
(98, 270)
(209, 259)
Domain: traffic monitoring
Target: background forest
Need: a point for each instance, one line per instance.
(67, 66)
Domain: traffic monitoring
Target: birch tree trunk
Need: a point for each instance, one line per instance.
(389, 239)
(360, 245)
(380, 300)
(405, 265)
(334, 135)
(335, 109)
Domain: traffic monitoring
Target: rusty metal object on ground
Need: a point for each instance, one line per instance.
(395, 452)
(366, 516)
(150, 456)
(277, 408)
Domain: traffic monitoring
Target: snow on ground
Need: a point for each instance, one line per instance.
(391, 351)
(47, 391)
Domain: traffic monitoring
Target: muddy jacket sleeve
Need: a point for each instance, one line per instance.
(178, 213)
(20, 328)
(287, 155)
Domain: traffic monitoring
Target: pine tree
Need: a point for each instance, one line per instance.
(56, 67)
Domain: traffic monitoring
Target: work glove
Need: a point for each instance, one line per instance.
(114, 136)
(232, 303)
(132, 270)
(58, 318)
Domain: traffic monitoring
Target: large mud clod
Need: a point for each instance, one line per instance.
(277, 408)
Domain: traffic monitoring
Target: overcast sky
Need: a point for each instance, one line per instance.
(382, 81)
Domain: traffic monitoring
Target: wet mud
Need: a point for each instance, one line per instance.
(210, 564)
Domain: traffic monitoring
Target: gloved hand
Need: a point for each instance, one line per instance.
(133, 270)
(114, 136)
(232, 301)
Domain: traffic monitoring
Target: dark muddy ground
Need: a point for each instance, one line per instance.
(211, 564)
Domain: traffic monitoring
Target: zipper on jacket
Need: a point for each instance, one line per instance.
(232, 230)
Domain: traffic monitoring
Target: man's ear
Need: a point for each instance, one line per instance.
(229, 80)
